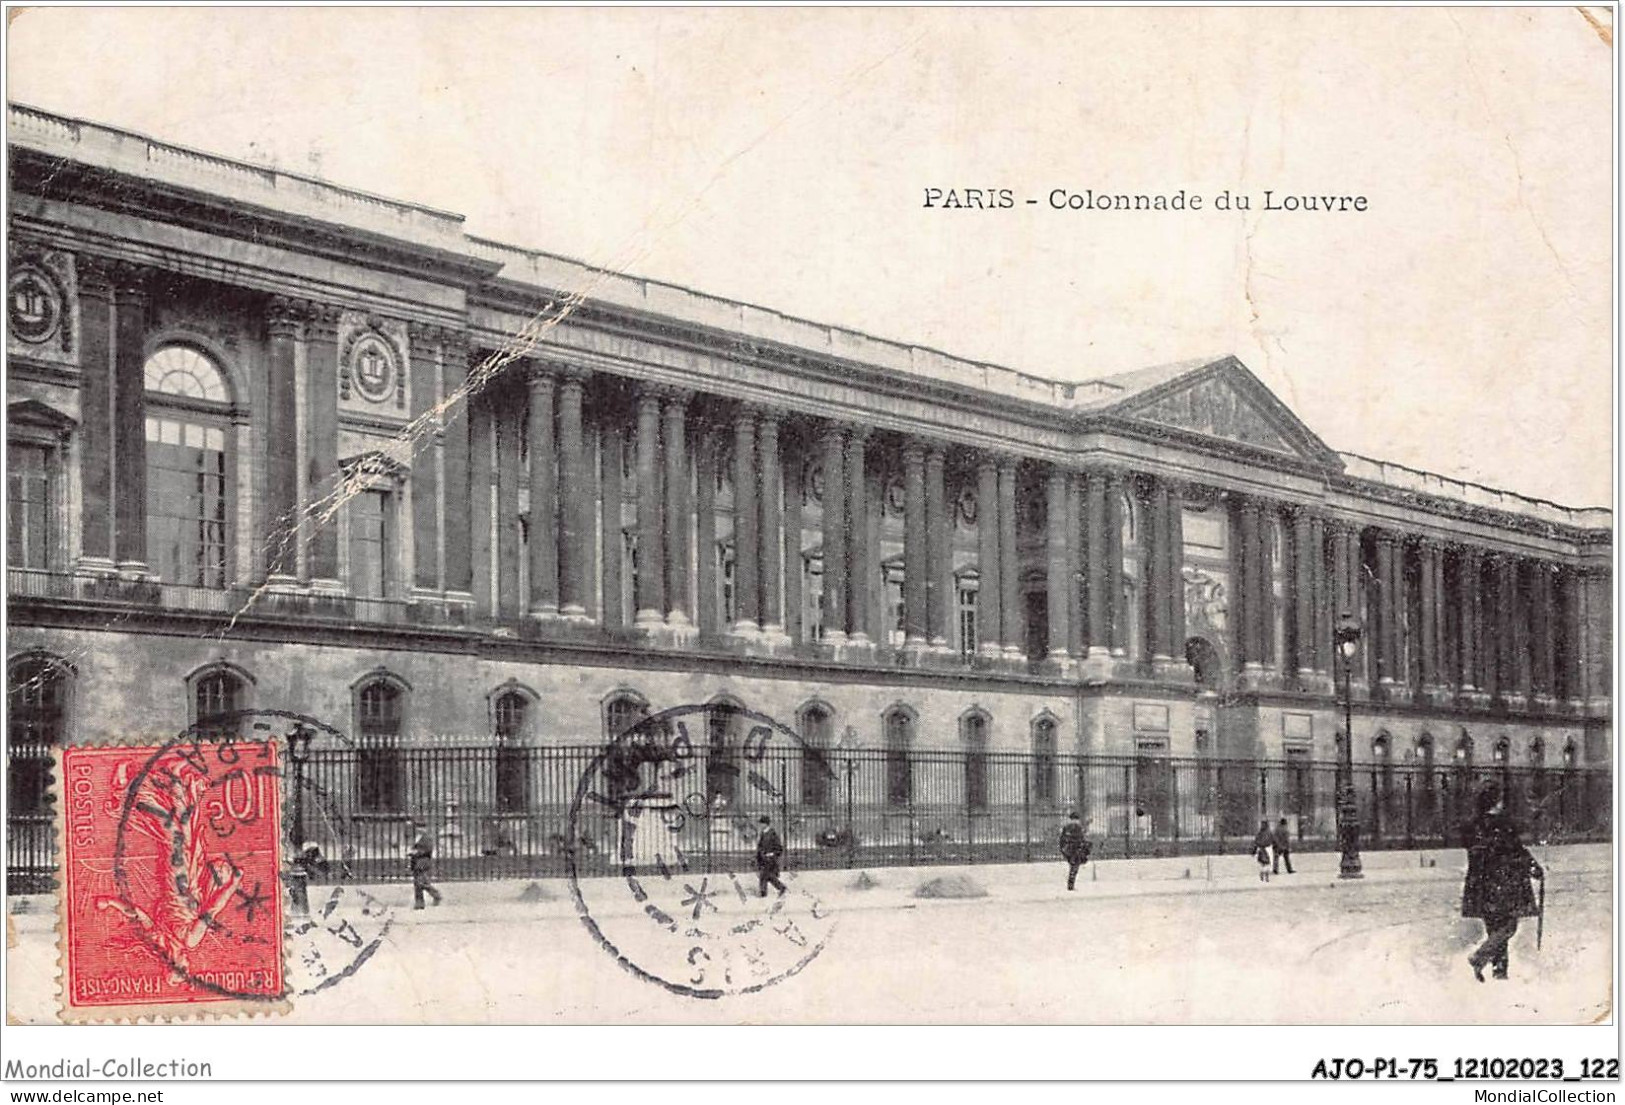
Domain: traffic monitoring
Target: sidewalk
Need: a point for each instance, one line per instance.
(894, 887)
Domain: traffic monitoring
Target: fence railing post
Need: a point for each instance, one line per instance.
(1130, 808)
(1027, 816)
(851, 829)
(1410, 814)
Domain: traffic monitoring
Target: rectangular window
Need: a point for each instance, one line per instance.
(967, 620)
(186, 503)
(629, 576)
(812, 603)
(370, 545)
(727, 599)
(28, 506)
(892, 576)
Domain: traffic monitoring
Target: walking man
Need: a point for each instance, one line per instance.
(768, 850)
(1075, 848)
(420, 861)
(1283, 847)
(1497, 887)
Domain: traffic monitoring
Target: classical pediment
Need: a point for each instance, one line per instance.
(1224, 402)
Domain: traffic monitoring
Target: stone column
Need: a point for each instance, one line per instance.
(510, 603)
(1077, 613)
(705, 530)
(678, 517)
(791, 450)
(1303, 591)
(612, 604)
(1545, 636)
(1097, 597)
(425, 483)
(1574, 689)
(129, 420)
(1009, 563)
(990, 588)
(1154, 572)
(544, 493)
(1469, 572)
(941, 600)
(576, 501)
(281, 512)
(859, 562)
(1427, 559)
(322, 442)
(1388, 604)
(1256, 584)
(458, 527)
(1061, 593)
(747, 535)
(94, 277)
(1503, 586)
(650, 598)
(480, 436)
(1117, 614)
(915, 560)
(1321, 644)
(834, 517)
(1174, 571)
(770, 535)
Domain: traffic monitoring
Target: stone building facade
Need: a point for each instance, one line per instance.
(278, 443)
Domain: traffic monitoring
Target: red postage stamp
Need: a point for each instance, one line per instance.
(171, 897)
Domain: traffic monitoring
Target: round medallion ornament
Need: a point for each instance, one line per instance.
(34, 307)
(372, 367)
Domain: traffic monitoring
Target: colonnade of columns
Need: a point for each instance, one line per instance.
(1440, 617)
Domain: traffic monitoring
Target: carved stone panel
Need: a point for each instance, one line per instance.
(373, 373)
(42, 310)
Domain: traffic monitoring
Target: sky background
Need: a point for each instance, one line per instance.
(780, 157)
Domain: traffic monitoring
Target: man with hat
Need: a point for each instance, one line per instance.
(768, 850)
(1074, 848)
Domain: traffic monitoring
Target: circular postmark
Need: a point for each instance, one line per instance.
(686, 809)
(217, 841)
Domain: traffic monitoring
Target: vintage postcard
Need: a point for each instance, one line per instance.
(1087, 516)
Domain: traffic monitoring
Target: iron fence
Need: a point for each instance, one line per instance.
(504, 811)
(498, 812)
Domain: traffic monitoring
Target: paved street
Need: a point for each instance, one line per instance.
(1139, 942)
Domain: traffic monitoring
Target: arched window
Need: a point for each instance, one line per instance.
(622, 712)
(1537, 753)
(1044, 749)
(1571, 755)
(380, 706)
(215, 692)
(817, 732)
(725, 730)
(899, 730)
(189, 511)
(509, 715)
(973, 729)
(1502, 753)
(1464, 752)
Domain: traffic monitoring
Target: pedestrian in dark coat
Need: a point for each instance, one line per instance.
(1075, 848)
(1282, 843)
(1497, 887)
(420, 861)
(1262, 843)
(769, 848)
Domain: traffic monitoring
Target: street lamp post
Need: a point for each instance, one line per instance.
(1348, 814)
(298, 752)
